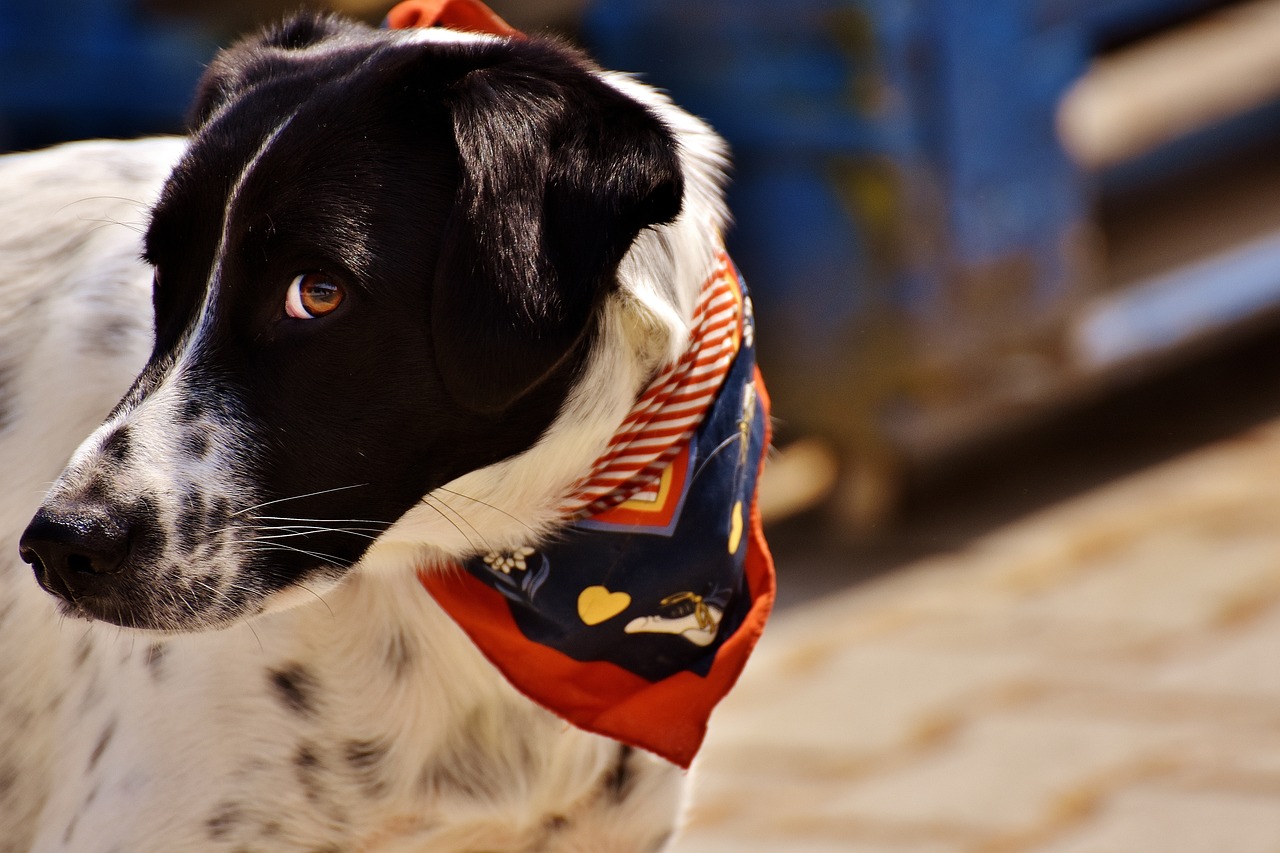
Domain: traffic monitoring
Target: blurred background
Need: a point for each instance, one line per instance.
(1017, 268)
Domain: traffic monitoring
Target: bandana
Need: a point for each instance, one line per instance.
(470, 16)
(639, 616)
(670, 410)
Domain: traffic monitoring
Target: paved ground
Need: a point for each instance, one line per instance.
(1100, 677)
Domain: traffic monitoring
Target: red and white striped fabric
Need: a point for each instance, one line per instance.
(669, 411)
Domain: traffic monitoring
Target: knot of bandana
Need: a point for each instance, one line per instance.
(469, 16)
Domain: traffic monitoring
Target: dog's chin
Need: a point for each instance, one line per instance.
(132, 616)
(137, 608)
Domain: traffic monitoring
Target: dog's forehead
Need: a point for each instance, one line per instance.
(238, 129)
(323, 90)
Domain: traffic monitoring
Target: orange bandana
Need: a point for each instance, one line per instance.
(469, 16)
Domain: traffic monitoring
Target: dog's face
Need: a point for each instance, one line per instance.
(378, 267)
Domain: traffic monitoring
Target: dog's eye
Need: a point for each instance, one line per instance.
(312, 295)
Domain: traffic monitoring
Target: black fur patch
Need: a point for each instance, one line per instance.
(367, 759)
(305, 758)
(400, 654)
(104, 740)
(223, 821)
(194, 407)
(118, 446)
(191, 521)
(296, 689)
(217, 514)
(310, 771)
(621, 778)
(195, 444)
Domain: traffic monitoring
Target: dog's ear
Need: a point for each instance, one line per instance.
(559, 174)
(260, 56)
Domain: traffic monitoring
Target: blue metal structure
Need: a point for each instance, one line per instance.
(81, 68)
(922, 248)
(921, 245)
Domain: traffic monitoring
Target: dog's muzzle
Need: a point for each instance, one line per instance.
(74, 550)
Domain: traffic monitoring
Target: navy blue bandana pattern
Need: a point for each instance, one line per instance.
(653, 596)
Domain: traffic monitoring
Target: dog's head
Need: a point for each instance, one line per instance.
(380, 265)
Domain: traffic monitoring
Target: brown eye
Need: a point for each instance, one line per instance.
(312, 295)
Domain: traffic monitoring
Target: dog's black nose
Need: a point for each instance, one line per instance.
(72, 548)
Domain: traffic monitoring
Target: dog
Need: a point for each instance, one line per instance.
(373, 320)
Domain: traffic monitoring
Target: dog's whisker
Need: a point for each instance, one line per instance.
(370, 532)
(124, 615)
(318, 597)
(298, 498)
(319, 556)
(461, 517)
(249, 624)
(271, 528)
(321, 524)
(176, 601)
(221, 598)
(313, 531)
(712, 455)
(323, 528)
(454, 524)
(218, 594)
(496, 509)
(382, 524)
(141, 205)
(132, 226)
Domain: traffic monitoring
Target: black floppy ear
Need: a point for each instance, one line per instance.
(559, 174)
(260, 56)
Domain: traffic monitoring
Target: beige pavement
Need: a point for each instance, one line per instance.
(1102, 677)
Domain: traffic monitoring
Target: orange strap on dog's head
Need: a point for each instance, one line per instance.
(470, 16)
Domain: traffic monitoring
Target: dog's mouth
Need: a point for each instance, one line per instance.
(178, 604)
(102, 566)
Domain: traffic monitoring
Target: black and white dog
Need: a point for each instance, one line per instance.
(386, 265)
